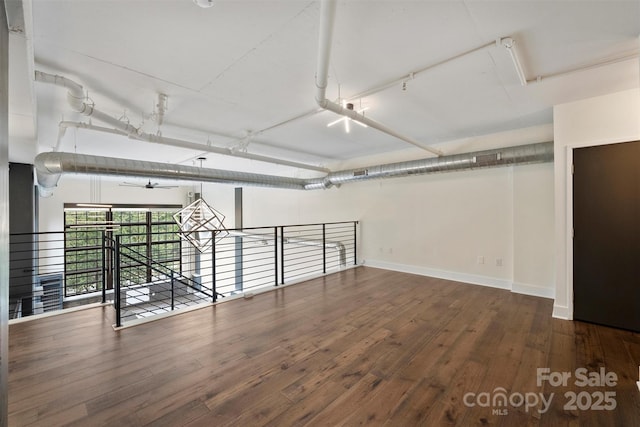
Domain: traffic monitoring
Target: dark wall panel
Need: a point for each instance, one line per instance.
(606, 245)
(21, 221)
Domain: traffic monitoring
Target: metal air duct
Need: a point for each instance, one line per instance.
(518, 155)
(49, 167)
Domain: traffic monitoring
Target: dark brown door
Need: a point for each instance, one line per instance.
(606, 244)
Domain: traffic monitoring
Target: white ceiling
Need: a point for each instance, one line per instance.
(244, 66)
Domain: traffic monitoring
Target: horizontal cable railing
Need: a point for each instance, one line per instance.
(47, 270)
(245, 260)
(149, 285)
(151, 273)
(307, 249)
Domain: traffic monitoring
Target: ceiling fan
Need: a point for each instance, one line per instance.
(148, 185)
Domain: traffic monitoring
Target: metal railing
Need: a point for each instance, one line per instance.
(239, 261)
(46, 272)
(54, 270)
(145, 287)
(316, 247)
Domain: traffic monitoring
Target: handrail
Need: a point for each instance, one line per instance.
(294, 225)
(141, 260)
(158, 273)
(339, 246)
(172, 273)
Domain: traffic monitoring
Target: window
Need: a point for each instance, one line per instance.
(149, 233)
(83, 251)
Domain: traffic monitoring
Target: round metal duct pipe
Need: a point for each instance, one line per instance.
(518, 155)
(49, 167)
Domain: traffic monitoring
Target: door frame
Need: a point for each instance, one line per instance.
(569, 211)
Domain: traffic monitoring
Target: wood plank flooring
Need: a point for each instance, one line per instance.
(360, 347)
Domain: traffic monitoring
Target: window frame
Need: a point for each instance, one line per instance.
(147, 227)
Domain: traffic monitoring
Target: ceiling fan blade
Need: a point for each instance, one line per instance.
(149, 185)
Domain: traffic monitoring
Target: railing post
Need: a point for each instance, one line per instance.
(104, 268)
(173, 281)
(275, 254)
(324, 248)
(213, 268)
(281, 255)
(116, 287)
(355, 243)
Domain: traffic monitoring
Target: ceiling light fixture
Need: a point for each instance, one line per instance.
(200, 224)
(347, 120)
(205, 4)
(510, 45)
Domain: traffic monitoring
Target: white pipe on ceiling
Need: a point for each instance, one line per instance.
(623, 58)
(380, 87)
(76, 99)
(64, 125)
(327, 19)
(412, 75)
(176, 143)
(510, 45)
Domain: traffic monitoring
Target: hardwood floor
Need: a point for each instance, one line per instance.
(364, 346)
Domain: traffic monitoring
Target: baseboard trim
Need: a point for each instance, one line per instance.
(492, 282)
(473, 279)
(533, 290)
(58, 312)
(562, 312)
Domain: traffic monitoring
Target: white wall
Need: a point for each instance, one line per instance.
(77, 189)
(270, 206)
(436, 225)
(439, 224)
(602, 120)
(533, 203)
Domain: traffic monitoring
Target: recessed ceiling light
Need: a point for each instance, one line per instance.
(205, 4)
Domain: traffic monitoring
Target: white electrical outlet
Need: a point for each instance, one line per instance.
(480, 259)
(499, 262)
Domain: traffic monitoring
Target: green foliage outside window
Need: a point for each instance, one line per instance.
(149, 237)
